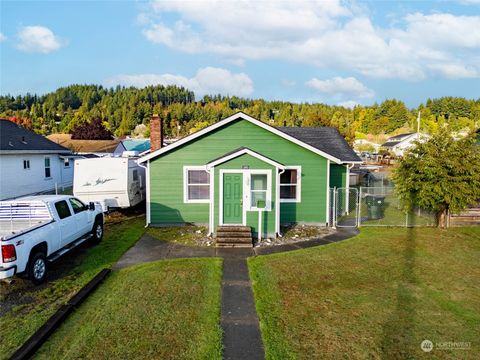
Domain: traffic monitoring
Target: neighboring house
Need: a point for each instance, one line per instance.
(86, 148)
(30, 163)
(398, 144)
(225, 173)
(135, 145)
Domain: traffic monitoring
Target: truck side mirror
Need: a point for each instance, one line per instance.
(91, 206)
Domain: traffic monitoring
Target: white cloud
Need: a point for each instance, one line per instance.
(341, 87)
(2, 37)
(349, 104)
(329, 34)
(209, 80)
(39, 39)
(455, 71)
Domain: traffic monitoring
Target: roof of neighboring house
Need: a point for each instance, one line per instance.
(331, 146)
(399, 137)
(140, 145)
(326, 139)
(395, 140)
(16, 138)
(390, 143)
(84, 146)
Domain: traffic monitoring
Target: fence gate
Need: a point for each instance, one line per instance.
(344, 207)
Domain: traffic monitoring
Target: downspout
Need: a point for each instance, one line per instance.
(210, 206)
(147, 185)
(279, 234)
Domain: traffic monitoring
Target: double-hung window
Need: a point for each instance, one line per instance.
(290, 184)
(196, 184)
(47, 168)
(260, 192)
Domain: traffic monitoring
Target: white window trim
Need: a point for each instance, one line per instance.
(49, 166)
(246, 192)
(298, 196)
(186, 200)
(268, 201)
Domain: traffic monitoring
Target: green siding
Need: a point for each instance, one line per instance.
(166, 174)
(338, 176)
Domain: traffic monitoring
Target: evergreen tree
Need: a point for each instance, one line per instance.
(441, 174)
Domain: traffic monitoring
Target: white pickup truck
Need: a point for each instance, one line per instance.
(36, 230)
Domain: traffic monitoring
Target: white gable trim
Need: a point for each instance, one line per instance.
(229, 120)
(243, 152)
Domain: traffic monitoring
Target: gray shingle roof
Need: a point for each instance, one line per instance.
(326, 139)
(16, 138)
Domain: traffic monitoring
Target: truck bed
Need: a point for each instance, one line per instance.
(12, 228)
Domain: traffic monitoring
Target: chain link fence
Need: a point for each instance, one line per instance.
(380, 206)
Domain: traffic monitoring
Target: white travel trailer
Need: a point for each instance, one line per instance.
(115, 182)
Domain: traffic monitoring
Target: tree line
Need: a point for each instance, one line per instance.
(121, 109)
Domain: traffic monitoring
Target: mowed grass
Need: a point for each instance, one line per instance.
(377, 295)
(70, 273)
(162, 310)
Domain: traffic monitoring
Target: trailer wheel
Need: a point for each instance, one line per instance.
(37, 268)
(97, 231)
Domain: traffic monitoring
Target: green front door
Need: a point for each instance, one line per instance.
(232, 198)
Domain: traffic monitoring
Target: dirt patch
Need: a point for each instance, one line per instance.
(297, 233)
(185, 235)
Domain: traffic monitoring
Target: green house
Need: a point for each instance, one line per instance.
(242, 171)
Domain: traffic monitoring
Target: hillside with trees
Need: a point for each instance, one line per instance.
(121, 109)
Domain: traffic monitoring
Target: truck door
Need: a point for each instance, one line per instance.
(67, 225)
(83, 218)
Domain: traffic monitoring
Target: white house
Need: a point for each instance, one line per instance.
(30, 163)
(398, 144)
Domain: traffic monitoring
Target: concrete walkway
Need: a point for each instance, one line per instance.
(239, 321)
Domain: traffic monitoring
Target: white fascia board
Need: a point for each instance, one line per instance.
(228, 120)
(243, 152)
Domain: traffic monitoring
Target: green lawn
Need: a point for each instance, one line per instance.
(72, 271)
(378, 295)
(162, 310)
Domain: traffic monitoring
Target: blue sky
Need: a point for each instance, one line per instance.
(337, 52)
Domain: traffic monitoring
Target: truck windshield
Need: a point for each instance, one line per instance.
(62, 209)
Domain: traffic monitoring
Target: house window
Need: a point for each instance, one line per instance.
(290, 184)
(135, 175)
(26, 164)
(196, 185)
(66, 162)
(47, 168)
(258, 189)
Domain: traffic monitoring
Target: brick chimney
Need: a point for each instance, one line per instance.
(156, 132)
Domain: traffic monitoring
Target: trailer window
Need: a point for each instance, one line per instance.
(62, 209)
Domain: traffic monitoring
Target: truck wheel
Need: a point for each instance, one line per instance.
(97, 231)
(37, 268)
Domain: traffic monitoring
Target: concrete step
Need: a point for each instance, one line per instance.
(234, 245)
(234, 228)
(233, 234)
(234, 240)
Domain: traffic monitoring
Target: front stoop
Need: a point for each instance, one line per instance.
(234, 236)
